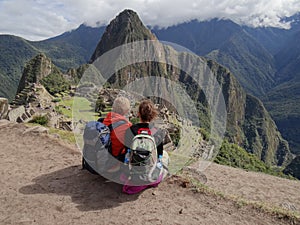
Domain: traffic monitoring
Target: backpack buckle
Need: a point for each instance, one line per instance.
(146, 131)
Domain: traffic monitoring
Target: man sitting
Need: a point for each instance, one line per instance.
(120, 108)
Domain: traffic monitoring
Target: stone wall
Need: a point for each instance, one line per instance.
(20, 114)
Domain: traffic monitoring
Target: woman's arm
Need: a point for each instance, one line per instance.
(128, 138)
(159, 139)
(160, 149)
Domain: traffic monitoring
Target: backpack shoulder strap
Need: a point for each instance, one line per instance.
(113, 126)
(100, 120)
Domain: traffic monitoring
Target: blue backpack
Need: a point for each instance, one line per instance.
(97, 144)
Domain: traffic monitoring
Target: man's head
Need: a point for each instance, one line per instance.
(121, 105)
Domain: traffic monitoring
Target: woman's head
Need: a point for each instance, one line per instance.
(147, 111)
(121, 105)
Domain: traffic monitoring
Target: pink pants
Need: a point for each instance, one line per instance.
(130, 189)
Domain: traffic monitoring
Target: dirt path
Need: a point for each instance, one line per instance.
(42, 183)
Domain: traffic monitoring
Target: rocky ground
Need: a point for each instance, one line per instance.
(42, 183)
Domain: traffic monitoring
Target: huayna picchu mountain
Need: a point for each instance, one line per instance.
(248, 122)
(125, 28)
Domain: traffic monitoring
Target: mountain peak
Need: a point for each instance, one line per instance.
(125, 28)
(35, 70)
(38, 68)
(126, 14)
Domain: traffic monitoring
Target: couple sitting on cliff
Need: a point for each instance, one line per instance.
(129, 142)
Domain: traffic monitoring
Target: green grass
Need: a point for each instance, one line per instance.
(77, 108)
(64, 135)
(82, 110)
(67, 136)
(65, 103)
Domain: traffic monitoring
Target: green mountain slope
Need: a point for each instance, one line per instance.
(68, 50)
(264, 60)
(73, 48)
(243, 56)
(199, 37)
(283, 104)
(14, 53)
(271, 38)
(230, 45)
(248, 123)
(283, 101)
(293, 168)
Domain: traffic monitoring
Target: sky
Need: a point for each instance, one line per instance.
(42, 19)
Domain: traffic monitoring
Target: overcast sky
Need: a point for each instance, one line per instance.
(41, 19)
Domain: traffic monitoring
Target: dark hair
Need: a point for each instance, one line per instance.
(147, 111)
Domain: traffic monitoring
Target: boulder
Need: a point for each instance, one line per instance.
(36, 130)
(4, 122)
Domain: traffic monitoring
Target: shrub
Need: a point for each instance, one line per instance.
(55, 83)
(42, 120)
(235, 156)
(56, 100)
(100, 105)
(204, 134)
(58, 109)
(175, 138)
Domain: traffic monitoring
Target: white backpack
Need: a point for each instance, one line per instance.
(143, 159)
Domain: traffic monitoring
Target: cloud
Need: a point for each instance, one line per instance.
(32, 19)
(41, 19)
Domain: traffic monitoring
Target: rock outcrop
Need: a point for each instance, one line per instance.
(293, 168)
(35, 70)
(39, 70)
(248, 122)
(3, 108)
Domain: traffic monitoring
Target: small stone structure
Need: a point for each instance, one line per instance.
(66, 125)
(21, 114)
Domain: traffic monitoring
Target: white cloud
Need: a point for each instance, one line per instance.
(40, 19)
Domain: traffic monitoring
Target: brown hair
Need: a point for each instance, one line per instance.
(147, 111)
